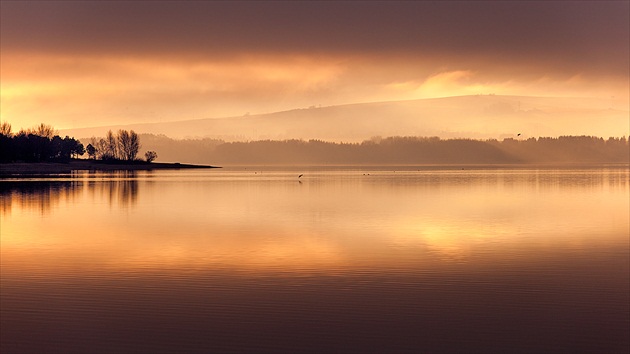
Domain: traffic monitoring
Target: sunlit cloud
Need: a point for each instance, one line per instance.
(453, 83)
(87, 90)
(105, 74)
(71, 65)
(39, 88)
(468, 82)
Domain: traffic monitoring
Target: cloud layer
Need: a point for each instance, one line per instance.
(86, 63)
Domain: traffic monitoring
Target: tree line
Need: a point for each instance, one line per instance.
(38, 144)
(395, 150)
(426, 150)
(42, 143)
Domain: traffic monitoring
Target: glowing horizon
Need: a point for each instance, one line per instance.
(67, 65)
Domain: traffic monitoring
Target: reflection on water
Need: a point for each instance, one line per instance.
(121, 189)
(33, 195)
(342, 259)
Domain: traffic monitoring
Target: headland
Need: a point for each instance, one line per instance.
(37, 168)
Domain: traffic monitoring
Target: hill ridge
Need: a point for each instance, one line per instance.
(472, 116)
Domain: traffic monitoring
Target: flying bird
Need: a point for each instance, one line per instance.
(519, 134)
(300, 175)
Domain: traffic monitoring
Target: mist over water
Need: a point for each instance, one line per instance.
(343, 259)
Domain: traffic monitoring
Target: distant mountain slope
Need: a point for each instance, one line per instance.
(487, 116)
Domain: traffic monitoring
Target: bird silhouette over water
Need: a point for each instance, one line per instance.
(301, 175)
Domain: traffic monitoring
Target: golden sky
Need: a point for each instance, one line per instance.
(86, 63)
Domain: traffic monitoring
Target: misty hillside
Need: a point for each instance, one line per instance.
(391, 151)
(480, 117)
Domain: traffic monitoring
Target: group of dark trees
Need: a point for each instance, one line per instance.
(122, 146)
(42, 143)
(38, 144)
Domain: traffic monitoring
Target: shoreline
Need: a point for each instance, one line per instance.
(21, 168)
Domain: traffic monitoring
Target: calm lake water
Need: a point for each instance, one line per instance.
(386, 260)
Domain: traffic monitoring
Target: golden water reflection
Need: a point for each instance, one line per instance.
(329, 221)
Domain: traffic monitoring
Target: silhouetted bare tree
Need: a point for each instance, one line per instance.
(128, 145)
(150, 156)
(5, 129)
(44, 130)
(110, 147)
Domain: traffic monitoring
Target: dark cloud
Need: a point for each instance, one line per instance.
(571, 36)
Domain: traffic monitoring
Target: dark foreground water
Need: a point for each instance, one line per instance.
(384, 260)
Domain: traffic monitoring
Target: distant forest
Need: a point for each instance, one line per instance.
(43, 144)
(393, 150)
